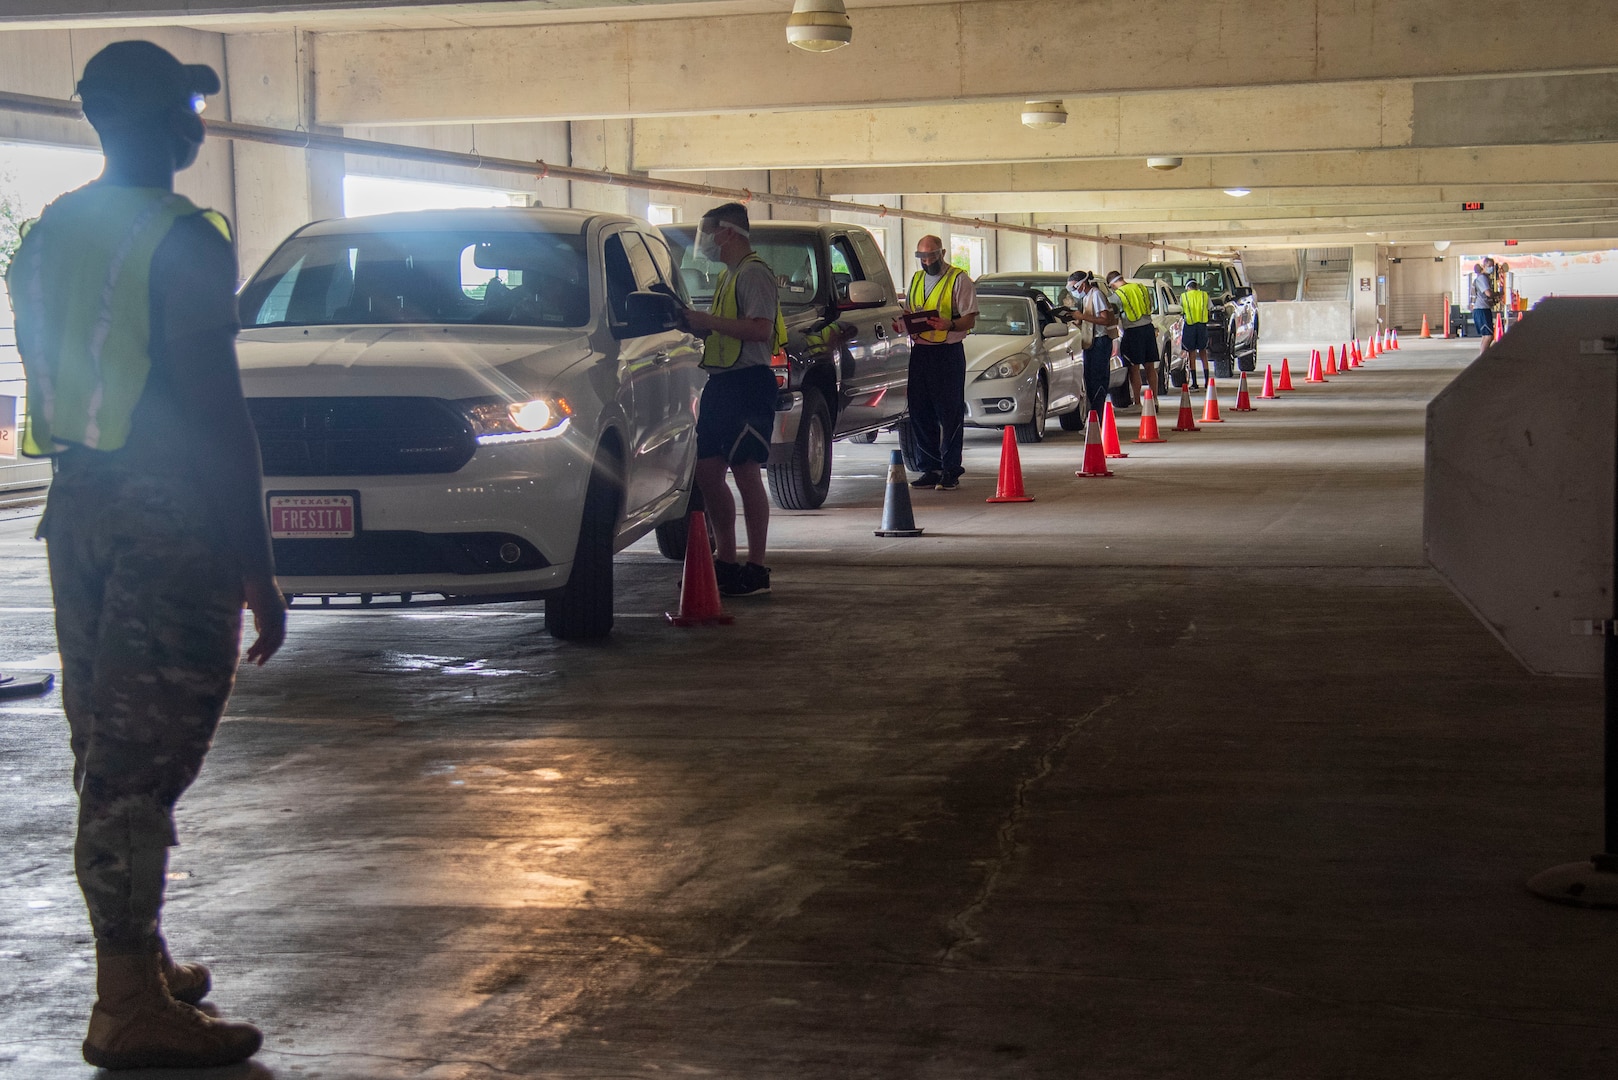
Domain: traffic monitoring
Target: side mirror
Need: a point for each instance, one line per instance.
(649, 313)
(1057, 330)
(1173, 309)
(863, 294)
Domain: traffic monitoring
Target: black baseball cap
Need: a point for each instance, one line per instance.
(140, 77)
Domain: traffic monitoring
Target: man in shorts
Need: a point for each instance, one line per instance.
(744, 328)
(1481, 297)
(1139, 348)
(1195, 309)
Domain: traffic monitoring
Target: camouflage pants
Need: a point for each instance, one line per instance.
(148, 620)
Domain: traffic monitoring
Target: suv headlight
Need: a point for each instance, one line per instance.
(1009, 368)
(543, 417)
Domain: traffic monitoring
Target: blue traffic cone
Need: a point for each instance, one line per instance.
(897, 517)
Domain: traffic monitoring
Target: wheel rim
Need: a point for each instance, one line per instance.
(817, 451)
(1041, 406)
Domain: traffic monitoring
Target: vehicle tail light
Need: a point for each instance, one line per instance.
(782, 368)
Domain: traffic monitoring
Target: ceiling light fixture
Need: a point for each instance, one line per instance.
(1238, 192)
(1164, 164)
(819, 25)
(1044, 114)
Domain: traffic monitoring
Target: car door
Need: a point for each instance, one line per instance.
(886, 387)
(683, 373)
(643, 364)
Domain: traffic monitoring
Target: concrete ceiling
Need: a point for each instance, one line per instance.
(1347, 120)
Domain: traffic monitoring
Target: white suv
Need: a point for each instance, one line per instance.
(470, 405)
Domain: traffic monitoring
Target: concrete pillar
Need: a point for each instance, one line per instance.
(794, 182)
(913, 231)
(1016, 251)
(604, 144)
(1362, 288)
(277, 189)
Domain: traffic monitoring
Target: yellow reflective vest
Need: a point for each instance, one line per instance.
(1194, 305)
(940, 299)
(721, 350)
(80, 286)
(1136, 301)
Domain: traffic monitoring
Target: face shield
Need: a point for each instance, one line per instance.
(709, 235)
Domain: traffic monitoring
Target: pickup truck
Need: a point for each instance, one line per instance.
(1233, 326)
(844, 370)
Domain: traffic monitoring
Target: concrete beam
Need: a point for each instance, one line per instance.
(1605, 234)
(982, 49)
(1151, 219)
(1365, 168)
(1369, 222)
(1329, 116)
(1097, 205)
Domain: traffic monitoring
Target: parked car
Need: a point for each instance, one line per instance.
(1233, 328)
(470, 404)
(1053, 286)
(844, 371)
(1023, 363)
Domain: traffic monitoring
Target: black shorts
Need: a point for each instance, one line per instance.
(1140, 345)
(1194, 338)
(737, 415)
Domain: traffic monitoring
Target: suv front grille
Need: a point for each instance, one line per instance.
(360, 436)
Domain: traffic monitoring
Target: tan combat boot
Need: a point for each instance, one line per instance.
(189, 983)
(137, 1024)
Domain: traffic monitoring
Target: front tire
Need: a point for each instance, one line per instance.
(582, 611)
(1034, 430)
(1073, 421)
(804, 479)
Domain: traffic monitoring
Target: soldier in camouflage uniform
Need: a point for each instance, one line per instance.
(126, 323)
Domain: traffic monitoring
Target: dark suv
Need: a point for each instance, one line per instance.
(845, 371)
(1233, 322)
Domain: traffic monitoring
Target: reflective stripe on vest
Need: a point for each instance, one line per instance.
(721, 350)
(81, 286)
(1136, 303)
(1194, 306)
(941, 299)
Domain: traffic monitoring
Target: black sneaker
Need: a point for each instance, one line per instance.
(928, 479)
(751, 580)
(727, 574)
(949, 484)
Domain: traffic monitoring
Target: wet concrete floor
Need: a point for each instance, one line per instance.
(1194, 772)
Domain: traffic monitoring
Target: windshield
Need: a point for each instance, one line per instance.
(1211, 278)
(1005, 316)
(1054, 290)
(792, 258)
(505, 278)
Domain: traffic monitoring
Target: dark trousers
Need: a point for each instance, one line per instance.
(937, 394)
(148, 619)
(1098, 372)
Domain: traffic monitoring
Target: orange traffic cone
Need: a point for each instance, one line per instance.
(1210, 405)
(1109, 433)
(1316, 373)
(1331, 360)
(1243, 402)
(1009, 489)
(1095, 456)
(1357, 358)
(1286, 375)
(699, 587)
(1268, 393)
(1188, 419)
(1396, 337)
(1426, 330)
(1148, 418)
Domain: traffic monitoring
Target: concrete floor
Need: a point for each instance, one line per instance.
(1195, 772)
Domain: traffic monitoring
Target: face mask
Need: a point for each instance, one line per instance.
(933, 265)
(708, 246)
(1076, 291)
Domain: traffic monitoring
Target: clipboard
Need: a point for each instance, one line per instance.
(915, 322)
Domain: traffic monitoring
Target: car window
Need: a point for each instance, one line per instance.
(620, 277)
(1004, 316)
(845, 266)
(665, 266)
(449, 276)
(872, 260)
(791, 258)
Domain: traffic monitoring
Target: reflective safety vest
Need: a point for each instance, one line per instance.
(1136, 301)
(1194, 306)
(941, 299)
(81, 288)
(721, 350)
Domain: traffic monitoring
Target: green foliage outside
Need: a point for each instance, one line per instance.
(11, 222)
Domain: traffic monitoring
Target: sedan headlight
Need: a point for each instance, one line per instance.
(520, 421)
(1008, 368)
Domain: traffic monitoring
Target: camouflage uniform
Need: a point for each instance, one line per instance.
(148, 620)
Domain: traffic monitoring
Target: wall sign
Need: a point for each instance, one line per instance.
(1365, 284)
(1471, 206)
(8, 428)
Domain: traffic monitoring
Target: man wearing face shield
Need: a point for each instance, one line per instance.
(126, 323)
(937, 377)
(1097, 313)
(744, 328)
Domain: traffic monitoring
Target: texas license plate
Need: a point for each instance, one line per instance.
(314, 517)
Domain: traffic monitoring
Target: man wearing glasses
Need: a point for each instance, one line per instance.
(942, 305)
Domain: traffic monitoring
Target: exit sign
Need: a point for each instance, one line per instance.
(1511, 243)
(1471, 206)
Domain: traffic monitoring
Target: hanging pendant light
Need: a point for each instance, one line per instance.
(1044, 114)
(819, 25)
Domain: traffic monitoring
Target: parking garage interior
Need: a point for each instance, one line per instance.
(1199, 770)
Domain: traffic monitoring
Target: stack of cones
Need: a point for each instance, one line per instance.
(1109, 433)
(1244, 403)
(1188, 419)
(1009, 489)
(1148, 418)
(1268, 392)
(1210, 405)
(1095, 457)
(1286, 373)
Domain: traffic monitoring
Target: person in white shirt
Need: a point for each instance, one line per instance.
(937, 380)
(1094, 309)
